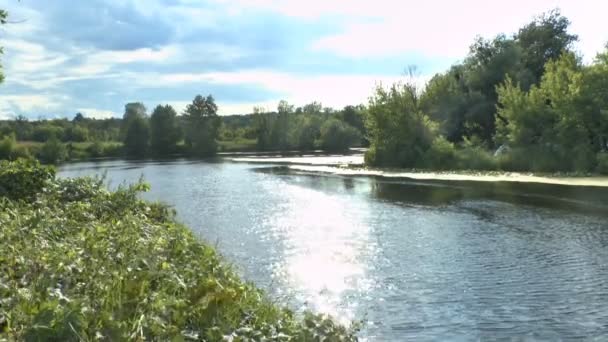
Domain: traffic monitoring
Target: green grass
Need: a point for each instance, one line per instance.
(237, 145)
(79, 262)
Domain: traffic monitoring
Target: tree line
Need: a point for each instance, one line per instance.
(525, 102)
(519, 102)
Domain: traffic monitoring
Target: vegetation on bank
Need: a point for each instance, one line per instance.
(520, 103)
(79, 262)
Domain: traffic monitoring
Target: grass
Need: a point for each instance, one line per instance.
(238, 145)
(81, 263)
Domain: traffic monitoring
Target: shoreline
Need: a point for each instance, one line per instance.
(514, 177)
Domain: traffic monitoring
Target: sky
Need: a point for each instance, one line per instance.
(65, 56)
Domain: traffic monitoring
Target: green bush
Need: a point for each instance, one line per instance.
(52, 152)
(85, 263)
(602, 163)
(23, 179)
(440, 156)
(337, 135)
(7, 145)
(475, 158)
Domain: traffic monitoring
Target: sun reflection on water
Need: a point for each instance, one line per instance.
(326, 250)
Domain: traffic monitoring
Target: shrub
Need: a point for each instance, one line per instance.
(338, 136)
(52, 152)
(95, 150)
(23, 179)
(475, 158)
(7, 145)
(110, 266)
(20, 151)
(440, 156)
(602, 163)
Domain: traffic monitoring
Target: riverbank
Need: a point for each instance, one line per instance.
(354, 165)
(597, 181)
(79, 262)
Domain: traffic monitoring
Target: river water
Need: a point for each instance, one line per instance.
(415, 260)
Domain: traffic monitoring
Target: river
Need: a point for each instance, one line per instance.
(421, 260)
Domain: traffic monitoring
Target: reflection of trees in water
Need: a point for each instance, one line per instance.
(592, 199)
(441, 192)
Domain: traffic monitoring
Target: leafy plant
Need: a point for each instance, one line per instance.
(79, 262)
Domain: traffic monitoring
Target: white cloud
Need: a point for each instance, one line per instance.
(97, 113)
(332, 90)
(11, 105)
(434, 27)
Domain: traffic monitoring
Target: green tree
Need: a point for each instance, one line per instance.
(262, 123)
(399, 132)
(544, 39)
(165, 131)
(136, 130)
(53, 152)
(554, 126)
(338, 136)
(279, 137)
(202, 126)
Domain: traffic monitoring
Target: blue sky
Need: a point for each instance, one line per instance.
(93, 56)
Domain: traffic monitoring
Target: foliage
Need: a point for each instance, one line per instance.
(202, 126)
(544, 39)
(105, 265)
(7, 145)
(553, 121)
(602, 163)
(165, 131)
(337, 136)
(23, 179)
(136, 130)
(398, 131)
(52, 152)
(464, 99)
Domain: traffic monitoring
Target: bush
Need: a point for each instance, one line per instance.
(475, 158)
(440, 156)
(107, 265)
(52, 152)
(23, 179)
(10, 150)
(7, 145)
(95, 150)
(602, 163)
(338, 136)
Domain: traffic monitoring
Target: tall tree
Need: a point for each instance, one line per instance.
(544, 39)
(165, 131)
(399, 132)
(202, 126)
(136, 131)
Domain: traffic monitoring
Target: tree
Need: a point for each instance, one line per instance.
(311, 108)
(165, 131)
(554, 126)
(338, 136)
(263, 123)
(544, 39)
(202, 126)
(399, 132)
(53, 151)
(78, 118)
(136, 132)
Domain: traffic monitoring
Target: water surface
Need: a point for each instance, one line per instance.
(416, 260)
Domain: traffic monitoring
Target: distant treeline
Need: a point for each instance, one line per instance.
(198, 132)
